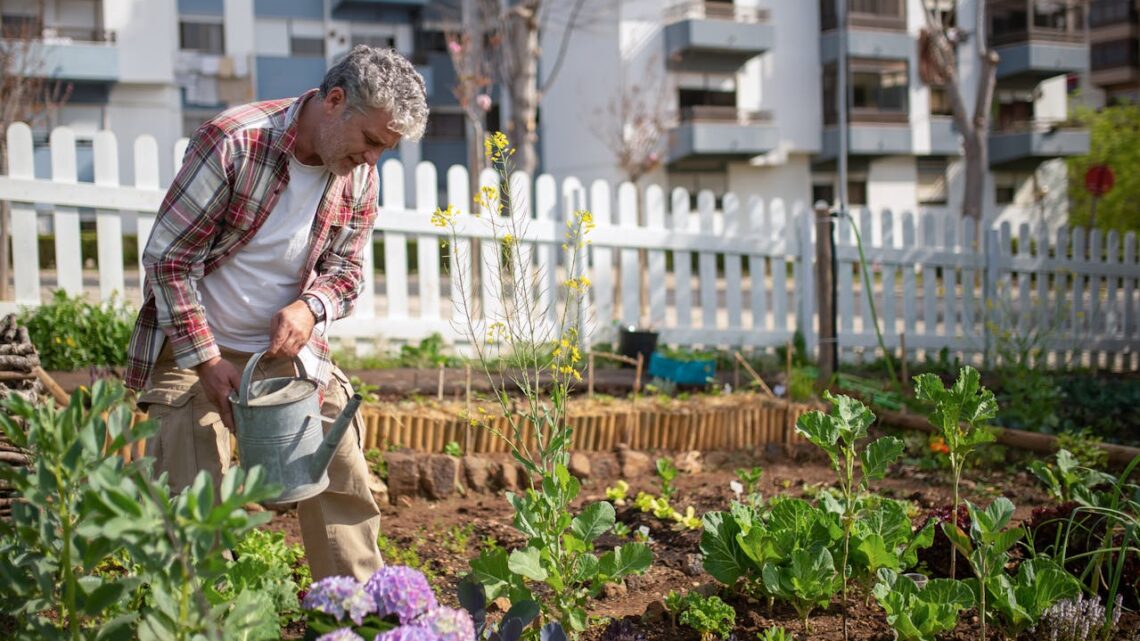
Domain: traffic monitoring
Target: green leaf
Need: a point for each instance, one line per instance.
(852, 417)
(631, 558)
(723, 558)
(879, 455)
(96, 595)
(491, 569)
(595, 520)
(819, 429)
(527, 562)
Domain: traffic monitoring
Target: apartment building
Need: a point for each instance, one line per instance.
(751, 91)
(1114, 50)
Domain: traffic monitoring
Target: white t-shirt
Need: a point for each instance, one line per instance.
(241, 296)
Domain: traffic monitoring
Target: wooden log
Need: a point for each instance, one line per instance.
(53, 387)
(751, 372)
(17, 376)
(1032, 441)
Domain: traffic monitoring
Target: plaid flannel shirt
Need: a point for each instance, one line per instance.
(234, 170)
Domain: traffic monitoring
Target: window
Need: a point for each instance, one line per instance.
(206, 37)
(20, 27)
(445, 126)
(302, 46)
(940, 102)
(932, 181)
(892, 8)
(1104, 13)
(879, 86)
(373, 40)
(1006, 187)
(857, 192)
(1112, 54)
(824, 192)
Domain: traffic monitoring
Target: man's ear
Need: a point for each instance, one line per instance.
(334, 100)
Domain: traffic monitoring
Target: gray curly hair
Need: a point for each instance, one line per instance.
(385, 79)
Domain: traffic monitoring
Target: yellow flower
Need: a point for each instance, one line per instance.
(444, 217)
(508, 240)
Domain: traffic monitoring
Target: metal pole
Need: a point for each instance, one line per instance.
(841, 97)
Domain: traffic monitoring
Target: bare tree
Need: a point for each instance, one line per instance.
(637, 120)
(27, 94)
(938, 65)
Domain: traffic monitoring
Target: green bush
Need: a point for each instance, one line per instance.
(89, 245)
(71, 333)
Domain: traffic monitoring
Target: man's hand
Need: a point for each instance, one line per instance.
(218, 378)
(290, 329)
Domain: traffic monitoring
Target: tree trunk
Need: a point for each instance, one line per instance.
(974, 151)
(523, 126)
(5, 223)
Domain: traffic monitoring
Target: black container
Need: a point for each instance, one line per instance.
(632, 342)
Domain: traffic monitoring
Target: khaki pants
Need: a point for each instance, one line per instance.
(339, 527)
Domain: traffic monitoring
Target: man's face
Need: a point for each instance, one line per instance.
(348, 137)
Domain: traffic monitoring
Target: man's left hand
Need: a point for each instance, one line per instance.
(290, 329)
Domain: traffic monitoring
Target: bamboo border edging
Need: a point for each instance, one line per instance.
(1032, 441)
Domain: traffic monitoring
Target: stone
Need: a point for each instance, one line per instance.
(603, 465)
(508, 477)
(615, 590)
(694, 565)
(580, 465)
(655, 612)
(478, 471)
(689, 462)
(441, 476)
(403, 475)
(634, 464)
(379, 489)
(501, 604)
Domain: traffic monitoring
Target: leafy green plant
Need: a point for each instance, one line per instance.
(807, 581)
(920, 614)
(512, 626)
(1085, 447)
(838, 435)
(667, 472)
(83, 510)
(710, 616)
(458, 536)
(407, 554)
(1067, 480)
(775, 633)
(453, 449)
(377, 463)
(801, 385)
(71, 333)
(750, 477)
(618, 492)
(883, 538)
(960, 414)
(1019, 600)
(367, 392)
(263, 562)
(559, 552)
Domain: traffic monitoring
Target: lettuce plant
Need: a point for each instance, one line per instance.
(667, 471)
(920, 614)
(710, 616)
(960, 414)
(838, 435)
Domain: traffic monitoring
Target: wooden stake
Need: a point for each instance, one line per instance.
(467, 433)
(439, 388)
(53, 387)
(637, 377)
(754, 375)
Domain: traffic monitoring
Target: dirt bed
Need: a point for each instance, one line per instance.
(445, 535)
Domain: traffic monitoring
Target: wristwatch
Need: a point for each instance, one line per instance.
(315, 306)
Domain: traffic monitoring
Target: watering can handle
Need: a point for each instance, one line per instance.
(251, 366)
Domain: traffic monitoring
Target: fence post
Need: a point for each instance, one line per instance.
(992, 254)
(805, 287)
(825, 290)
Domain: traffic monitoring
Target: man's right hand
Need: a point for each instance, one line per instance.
(218, 378)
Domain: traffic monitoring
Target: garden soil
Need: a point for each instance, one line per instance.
(444, 535)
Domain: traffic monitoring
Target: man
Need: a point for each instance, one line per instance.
(257, 247)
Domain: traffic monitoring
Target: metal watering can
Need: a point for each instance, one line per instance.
(279, 427)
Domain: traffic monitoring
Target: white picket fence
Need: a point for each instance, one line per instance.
(752, 286)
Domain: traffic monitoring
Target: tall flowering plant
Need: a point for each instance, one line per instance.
(394, 604)
(528, 342)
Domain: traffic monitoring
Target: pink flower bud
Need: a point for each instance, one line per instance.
(483, 101)
(454, 47)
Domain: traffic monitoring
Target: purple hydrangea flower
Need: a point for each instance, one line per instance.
(343, 634)
(400, 591)
(406, 633)
(448, 624)
(338, 595)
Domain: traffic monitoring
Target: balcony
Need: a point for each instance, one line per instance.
(884, 15)
(715, 36)
(71, 54)
(708, 136)
(1037, 40)
(1116, 62)
(1022, 145)
(394, 4)
(870, 133)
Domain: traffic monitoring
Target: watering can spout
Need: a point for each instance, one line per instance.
(324, 454)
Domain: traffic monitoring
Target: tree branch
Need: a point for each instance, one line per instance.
(562, 47)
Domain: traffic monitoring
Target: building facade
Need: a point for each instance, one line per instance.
(1114, 50)
(748, 92)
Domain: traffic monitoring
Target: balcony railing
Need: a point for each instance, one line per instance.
(869, 14)
(1036, 126)
(1109, 13)
(722, 114)
(77, 34)
(1016, 21)
(701, 10)
(863, 116)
